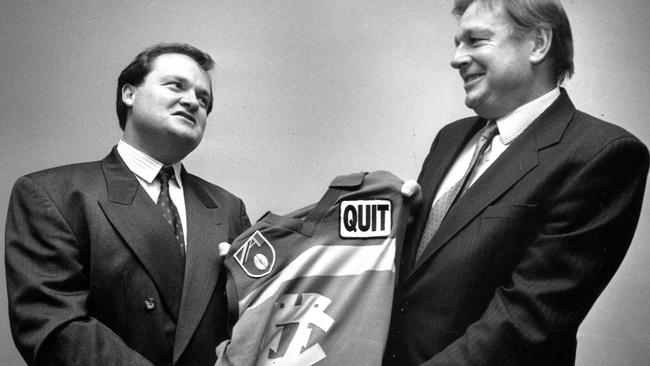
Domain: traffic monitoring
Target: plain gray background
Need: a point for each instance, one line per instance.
(305, 90)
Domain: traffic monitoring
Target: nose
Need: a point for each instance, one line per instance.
(189, 101)
(461, 58)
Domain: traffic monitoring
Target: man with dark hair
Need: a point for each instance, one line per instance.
(140, 67)
(116, 262)
(528, 208)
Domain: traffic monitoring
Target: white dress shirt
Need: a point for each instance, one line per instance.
(510, 127)
(146, 169)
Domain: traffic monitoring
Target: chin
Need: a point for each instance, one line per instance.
(471, 103)
(477, 104)
(186, 132)
(190, 142)
(184, 140)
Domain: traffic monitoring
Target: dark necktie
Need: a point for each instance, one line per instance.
(169, 211)
(441, 206)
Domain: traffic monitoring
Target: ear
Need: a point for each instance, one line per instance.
(541, 41)
(128, 94)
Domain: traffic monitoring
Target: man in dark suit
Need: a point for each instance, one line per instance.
(528, 209)
(116, 262)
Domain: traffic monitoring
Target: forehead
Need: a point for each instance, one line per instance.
(176, 65)
(482, 17)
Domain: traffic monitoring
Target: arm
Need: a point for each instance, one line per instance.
(48, 287)
(582, 236)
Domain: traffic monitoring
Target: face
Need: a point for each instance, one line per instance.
(168, 109)
(494, 65)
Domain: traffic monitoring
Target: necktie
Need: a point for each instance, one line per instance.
(169, 211)
(442, 205)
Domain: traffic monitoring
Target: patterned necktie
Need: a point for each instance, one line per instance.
(169, 211)
(442, 205)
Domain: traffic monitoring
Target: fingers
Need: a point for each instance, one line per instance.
(411, 189)
(223, 249)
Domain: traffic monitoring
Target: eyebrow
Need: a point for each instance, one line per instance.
(472, 30)
(182, 79)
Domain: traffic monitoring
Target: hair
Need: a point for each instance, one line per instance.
(135, 73)
(526, 15)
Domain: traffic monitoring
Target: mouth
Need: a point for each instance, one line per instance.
(186, 115)
(471, 77)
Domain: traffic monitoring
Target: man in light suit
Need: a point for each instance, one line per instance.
(113, 263)
(520, 232)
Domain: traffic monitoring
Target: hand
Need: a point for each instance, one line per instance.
(411, 190)
(223, 248)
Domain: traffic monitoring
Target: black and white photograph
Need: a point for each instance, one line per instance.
(340, 182)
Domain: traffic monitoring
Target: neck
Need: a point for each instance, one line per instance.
(534, 89)
(157, 152)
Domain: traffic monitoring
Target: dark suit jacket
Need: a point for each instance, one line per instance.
(94, 274)
(522, 256)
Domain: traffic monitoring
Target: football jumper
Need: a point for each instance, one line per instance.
(315, 287)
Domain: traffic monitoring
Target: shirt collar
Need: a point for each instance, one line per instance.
(514, 123)
(143, 165)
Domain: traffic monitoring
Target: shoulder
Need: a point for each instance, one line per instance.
(64, 177)
(596, 135)
(66, 171)
(597, 127)
(66, 188)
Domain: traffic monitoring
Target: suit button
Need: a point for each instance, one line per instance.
(149, 303)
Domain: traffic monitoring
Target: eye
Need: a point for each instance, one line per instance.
(174, 84)
(477, 40)
(203, 101)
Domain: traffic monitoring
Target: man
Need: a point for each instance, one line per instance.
(511, 247)
(116, 262)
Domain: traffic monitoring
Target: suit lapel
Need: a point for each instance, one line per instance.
(207, 227)
(449, 150)
(519, 159)
(448, 145)
(503, 174)
(134, 215)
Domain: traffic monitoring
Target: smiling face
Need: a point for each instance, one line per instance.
(167, 112)
(495, 66)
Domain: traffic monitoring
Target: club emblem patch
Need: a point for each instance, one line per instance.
(257, 256)
(365, 219)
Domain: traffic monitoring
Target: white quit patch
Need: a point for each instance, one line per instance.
(365, 218)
